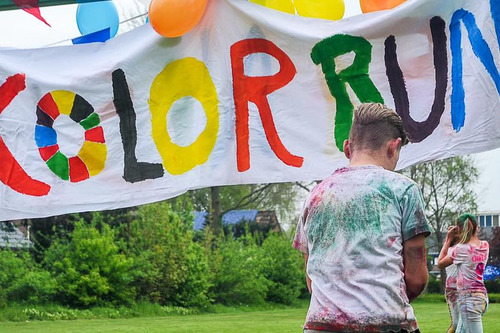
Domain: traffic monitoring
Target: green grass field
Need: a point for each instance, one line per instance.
(432, 317)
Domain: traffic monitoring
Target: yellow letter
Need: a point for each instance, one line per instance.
(182, 78)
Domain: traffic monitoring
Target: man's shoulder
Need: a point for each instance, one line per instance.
(369, 176)
(391, 179)
(398, 178)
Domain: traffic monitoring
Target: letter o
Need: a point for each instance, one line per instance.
(182, 78)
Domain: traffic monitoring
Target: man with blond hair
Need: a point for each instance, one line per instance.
(362, 231)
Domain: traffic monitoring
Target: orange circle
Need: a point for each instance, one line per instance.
(173, 18)
(368, 6)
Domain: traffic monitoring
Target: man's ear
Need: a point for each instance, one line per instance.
(394, 145)
(347, 149)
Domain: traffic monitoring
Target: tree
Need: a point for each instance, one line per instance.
(88, 267)
(169, 267)
(447, 187)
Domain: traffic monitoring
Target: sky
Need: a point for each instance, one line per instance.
(21, 30)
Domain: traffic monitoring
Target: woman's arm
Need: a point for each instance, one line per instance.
(444, 260)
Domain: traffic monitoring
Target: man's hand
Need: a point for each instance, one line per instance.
(415, 266)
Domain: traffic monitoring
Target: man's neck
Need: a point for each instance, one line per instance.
(365, 157)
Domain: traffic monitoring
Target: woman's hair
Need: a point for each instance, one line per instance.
(467, 225)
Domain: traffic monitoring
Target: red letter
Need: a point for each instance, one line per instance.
(255, 89)
(11, 173)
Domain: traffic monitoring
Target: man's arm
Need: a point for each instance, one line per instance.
(415, 267)
(308, 280)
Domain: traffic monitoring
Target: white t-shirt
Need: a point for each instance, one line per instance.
(352, 227)
(470, 262)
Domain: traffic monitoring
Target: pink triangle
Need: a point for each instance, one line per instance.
(35, 11)
(31, 7)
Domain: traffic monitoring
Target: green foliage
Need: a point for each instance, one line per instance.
(88, 268)
(283, 267)
(493, 286)
(494, 297)
(242, 228)
(21, 280)
(170, 268)
(46, 230)
(430, 298)
(149, 255)
(248, 273)
(238, 273)
(434, 285)
(52, 312)
(35, 287)
(12, 268)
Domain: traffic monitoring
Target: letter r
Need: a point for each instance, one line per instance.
(255, 89)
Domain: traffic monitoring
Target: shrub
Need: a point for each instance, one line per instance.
(22, 280)
(36, 286)
(13, 267)
(238, 275)
(170, 268)
(88, 269)
(494, 297)
(434, 285)
(493, 286)
(283, 267)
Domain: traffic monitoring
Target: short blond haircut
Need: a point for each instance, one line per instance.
(373, 125)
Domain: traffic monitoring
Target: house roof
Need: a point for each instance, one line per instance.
(236, 216)
(199, 220)
(12, 237)
(231, 217)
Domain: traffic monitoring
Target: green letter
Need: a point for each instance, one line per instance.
(356, 75)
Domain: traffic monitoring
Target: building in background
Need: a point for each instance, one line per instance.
(488, 219)
(14, 236)
(265, 219)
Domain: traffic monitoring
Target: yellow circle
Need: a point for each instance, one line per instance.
(182, 78)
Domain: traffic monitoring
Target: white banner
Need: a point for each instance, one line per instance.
(251, 95)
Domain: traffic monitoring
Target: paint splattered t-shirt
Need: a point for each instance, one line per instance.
(352, 227)
(451, 273)
(470, 261)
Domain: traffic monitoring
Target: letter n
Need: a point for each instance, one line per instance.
(481, 51)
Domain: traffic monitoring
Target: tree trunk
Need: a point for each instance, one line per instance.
(215, 210)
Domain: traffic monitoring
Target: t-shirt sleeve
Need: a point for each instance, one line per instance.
(300, 240)
(414, 220)
(460, 254)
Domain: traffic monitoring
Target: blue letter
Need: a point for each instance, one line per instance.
(480, 49)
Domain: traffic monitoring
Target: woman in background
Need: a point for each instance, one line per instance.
(470, 256)
(451, 279)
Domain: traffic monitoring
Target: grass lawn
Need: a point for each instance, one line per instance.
(433, 317)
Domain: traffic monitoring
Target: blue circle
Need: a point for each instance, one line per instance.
(96, 16)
